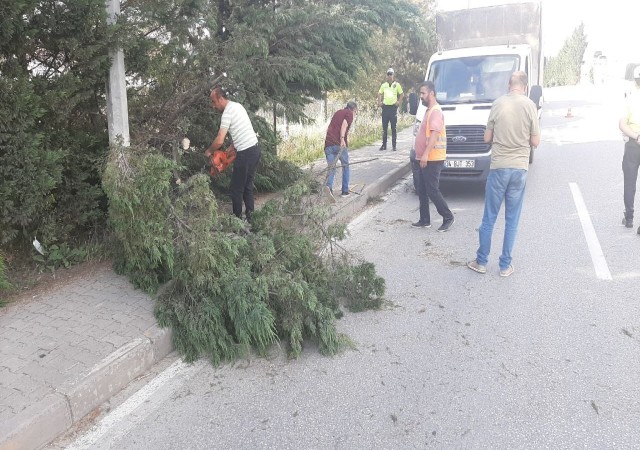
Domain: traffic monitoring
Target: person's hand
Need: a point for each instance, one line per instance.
(207, 153)
(424, 160)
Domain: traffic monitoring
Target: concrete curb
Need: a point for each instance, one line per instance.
(46, 420)
(359, 202)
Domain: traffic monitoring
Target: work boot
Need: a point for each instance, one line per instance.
(627, 221)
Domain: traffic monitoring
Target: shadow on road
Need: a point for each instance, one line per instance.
(472, 191)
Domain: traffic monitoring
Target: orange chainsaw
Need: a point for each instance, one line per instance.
(221, 159)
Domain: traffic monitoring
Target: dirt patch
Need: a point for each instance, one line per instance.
(30, 283)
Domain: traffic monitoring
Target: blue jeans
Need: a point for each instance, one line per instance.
(502, 185)
(332, 153)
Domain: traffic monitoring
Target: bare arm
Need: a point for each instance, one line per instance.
(431, 143)
(488, 136)
(534, 141)
(343, 133)
(217, 142)
(399, 102)
(626, 129)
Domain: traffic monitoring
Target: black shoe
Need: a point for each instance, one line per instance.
(420, 224)
(638, 230)
(446, 225)
(345, 194)
(394, 149)
(383, 147)
(627, 221)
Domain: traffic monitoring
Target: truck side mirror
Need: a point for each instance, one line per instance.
(535, 94)
(413, 103)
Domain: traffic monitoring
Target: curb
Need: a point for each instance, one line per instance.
(48, 419)
(382, 185)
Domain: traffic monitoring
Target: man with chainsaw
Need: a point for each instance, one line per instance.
(235, 121)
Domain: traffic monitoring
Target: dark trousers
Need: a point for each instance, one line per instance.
(244, 171)
(630, 164)
(429, 189)
(389, 115)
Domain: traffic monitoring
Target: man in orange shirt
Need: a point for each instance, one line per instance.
(431, 151)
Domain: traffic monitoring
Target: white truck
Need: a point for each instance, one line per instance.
(479, 50)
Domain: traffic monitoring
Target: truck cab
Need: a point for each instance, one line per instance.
(467, 82)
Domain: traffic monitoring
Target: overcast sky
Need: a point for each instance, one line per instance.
(611, 26)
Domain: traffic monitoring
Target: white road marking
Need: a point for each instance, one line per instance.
(597, 256)
(116, 417)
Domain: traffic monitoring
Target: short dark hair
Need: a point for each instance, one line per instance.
(352, 105)
(429, 85)
(220, 91)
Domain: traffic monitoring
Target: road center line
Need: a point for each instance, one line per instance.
(597, 256)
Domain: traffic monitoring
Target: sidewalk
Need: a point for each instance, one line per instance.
(67, 351)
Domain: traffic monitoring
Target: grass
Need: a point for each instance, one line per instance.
(307, 146)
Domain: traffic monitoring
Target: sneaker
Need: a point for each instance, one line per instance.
(383, 147)
(627, 222)
(446, 225)
(420, 224)
(476, 267)
(328, 194)
(506, 272)
(345, 194)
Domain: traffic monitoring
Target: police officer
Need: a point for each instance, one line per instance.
(389, 97)
(630, 127)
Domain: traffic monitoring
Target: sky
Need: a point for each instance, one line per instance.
(609, 25)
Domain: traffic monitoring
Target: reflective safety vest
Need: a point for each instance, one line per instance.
(439, 151)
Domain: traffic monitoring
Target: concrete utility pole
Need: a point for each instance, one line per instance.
(117, 109)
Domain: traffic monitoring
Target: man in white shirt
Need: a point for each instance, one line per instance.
(235, 121)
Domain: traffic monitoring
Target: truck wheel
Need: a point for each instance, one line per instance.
(535, 94)
(531, 155)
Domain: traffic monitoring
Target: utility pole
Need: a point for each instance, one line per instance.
(117, 109)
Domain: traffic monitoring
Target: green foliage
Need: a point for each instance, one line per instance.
(224, 290)
(406, 47)
(58, 256)
(53, 61)
(29, 169)
(4, 282)
(362, 288)
(138, 187)
(564, 69)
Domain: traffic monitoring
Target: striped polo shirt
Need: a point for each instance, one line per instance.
(236, 120)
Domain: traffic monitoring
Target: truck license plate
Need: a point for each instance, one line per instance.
(460, 163)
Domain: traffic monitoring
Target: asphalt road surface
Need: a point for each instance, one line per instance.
(547, 358)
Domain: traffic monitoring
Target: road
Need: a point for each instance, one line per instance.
(547, 358)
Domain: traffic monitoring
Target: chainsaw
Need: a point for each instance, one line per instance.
(221, 159)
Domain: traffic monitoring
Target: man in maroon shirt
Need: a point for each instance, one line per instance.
(336, 147)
